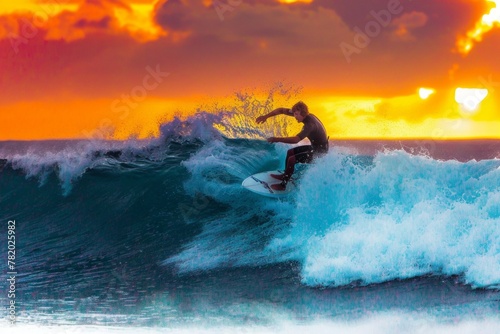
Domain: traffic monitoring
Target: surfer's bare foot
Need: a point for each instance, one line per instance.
(277, 176)
(278, 186)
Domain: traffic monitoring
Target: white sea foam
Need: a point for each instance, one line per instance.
(385, 323)
(355, 219)
(402, 217)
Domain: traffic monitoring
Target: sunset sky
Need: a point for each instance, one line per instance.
(367, 68)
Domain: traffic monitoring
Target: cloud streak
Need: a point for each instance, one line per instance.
(408, 22)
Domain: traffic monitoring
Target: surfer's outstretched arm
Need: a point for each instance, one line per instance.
(275, 112)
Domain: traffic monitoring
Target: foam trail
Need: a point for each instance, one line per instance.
(390, 323)
(403, 216)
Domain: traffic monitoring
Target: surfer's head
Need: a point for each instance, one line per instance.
(300, 111)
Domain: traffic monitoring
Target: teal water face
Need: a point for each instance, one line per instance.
(158, 233)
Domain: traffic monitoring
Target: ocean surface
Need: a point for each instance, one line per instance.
(158, 236)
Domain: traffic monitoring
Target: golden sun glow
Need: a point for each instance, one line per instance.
(424, 93)
(65, 63)
(487, 22)
(39, 8)
(139, 21)
(295, 1)
(469, 99)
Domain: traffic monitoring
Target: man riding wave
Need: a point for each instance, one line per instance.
(313, 129)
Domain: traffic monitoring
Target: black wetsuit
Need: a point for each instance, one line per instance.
(313, 130)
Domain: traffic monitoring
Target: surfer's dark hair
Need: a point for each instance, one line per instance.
(301, 107)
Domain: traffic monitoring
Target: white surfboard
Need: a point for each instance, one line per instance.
(261, 184)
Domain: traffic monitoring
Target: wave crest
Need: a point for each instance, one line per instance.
(401, 217)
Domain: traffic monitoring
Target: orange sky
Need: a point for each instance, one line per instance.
(69, 67)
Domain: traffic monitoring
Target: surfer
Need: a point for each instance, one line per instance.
(313, 129)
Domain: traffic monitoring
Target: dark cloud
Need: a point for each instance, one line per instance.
(175, 15)
(103, 23)
(256, 42)
(406, 23)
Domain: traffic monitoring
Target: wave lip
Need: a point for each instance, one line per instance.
(70, 161)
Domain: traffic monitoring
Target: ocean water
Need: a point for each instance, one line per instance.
(159, 236)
